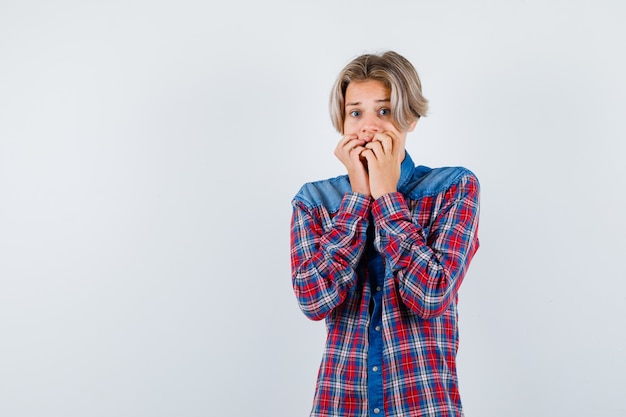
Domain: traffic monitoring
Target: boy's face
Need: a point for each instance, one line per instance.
(368, 111)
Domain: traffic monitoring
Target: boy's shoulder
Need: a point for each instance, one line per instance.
(427, 181)
(327, 193)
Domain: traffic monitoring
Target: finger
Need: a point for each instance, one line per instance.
(368, 154)
(353, 144)
(343, 141)
(386, 140)
(398, 147)
(347, 138)
(347, 144)
(376, 147)
(343, 149)
(356, 159)
(356, 148)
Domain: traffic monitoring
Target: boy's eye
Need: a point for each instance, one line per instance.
(355, 113)
(384, 112)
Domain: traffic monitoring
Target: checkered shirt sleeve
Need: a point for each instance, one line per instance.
(325, 253)
(429, 267)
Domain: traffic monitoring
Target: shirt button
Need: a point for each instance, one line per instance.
(375, 368)
(378, 288)
(377, 328)
(376, 410)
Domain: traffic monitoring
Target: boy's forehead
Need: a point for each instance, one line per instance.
(368, 89)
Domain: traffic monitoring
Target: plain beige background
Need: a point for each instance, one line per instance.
(149, 152)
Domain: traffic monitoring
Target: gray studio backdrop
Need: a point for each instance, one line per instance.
(149, 152)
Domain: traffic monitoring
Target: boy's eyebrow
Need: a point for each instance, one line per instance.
(380, 100)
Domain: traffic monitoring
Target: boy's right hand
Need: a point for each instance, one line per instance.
(348, 151)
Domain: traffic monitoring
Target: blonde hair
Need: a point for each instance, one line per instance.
(396, 72)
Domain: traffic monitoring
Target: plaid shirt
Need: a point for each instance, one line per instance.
(427, 235)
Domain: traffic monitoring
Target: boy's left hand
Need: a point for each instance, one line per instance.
(384, 156)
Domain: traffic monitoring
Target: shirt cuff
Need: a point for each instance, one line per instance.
(391, 206)
(356, 204)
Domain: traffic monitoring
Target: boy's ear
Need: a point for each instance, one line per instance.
(412, 125)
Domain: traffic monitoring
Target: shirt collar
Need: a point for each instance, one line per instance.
(406, 171)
